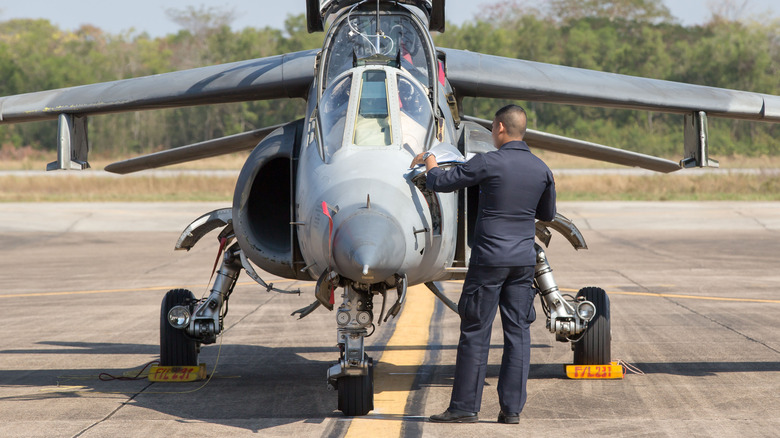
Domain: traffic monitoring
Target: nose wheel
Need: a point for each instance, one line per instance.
(356, 393)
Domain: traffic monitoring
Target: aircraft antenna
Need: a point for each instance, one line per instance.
(378, 29)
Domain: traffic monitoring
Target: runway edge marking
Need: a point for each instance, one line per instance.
(395, 374)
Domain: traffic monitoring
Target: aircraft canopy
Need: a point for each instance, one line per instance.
(399, 37)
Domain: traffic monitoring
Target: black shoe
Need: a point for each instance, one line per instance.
(451, 416)
(509, 418)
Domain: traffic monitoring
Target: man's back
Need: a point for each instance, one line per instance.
(515, 187)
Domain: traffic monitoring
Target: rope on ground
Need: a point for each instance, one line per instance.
(140, 375)
(627, 367)
(143, 373)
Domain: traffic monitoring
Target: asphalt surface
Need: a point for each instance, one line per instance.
(695, 302)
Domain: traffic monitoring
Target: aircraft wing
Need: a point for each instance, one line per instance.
(477, 75)
(274, 77)
(585, 149)
(205, 149)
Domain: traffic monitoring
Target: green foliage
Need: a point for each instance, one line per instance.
(640, 11)
(635, 37)
(36, 55)
(640, 40)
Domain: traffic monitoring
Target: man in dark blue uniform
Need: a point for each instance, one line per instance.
(515, 187)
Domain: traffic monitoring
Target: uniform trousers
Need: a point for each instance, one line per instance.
(486, 289)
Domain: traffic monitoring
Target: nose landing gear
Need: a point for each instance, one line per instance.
(353, 375)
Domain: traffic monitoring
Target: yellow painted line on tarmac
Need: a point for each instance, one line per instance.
(394, 375)
(690, 297)
(113, 291)
(662, 295)
(63, 389)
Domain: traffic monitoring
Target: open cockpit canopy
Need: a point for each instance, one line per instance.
(401, 39)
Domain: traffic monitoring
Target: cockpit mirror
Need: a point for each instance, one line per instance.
(313, 16)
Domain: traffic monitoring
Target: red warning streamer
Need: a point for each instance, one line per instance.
(222, 244)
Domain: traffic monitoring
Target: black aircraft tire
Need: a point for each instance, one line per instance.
(595, 346)
(176, 349)
(356, 393)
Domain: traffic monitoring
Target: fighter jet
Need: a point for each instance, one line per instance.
(330, 198)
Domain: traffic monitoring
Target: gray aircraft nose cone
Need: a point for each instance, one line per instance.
(370, 242)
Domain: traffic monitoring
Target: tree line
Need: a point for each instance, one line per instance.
(635, 37)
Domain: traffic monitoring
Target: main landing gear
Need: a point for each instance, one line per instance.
(583, 320)
(186, 323)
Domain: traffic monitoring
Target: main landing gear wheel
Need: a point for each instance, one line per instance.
(356, 393)
(176, 349)
(594, 347)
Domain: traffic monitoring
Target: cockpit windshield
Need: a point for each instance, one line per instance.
(333, 114)
(375, 107)
(416, 116)
(357, 36)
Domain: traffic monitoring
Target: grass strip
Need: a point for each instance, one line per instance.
(80, 187)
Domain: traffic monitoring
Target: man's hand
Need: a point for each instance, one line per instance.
(430, 161)
(417, 161)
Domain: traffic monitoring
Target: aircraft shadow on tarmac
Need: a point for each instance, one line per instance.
(263, 386)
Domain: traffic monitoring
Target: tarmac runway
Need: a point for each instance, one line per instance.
(695, 304)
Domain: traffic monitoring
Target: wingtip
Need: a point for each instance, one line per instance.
(118, 168)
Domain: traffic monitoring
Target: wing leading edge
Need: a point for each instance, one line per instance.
(477, 75)
(274, 77)
(205, 149)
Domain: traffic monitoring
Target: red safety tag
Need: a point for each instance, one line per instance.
(222, 243)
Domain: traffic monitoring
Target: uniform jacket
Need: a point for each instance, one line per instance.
(515, 187)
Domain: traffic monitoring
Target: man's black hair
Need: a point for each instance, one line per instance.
(514, 119)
